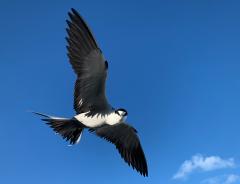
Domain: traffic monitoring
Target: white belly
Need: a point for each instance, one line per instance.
(90, 121)
(98, 119)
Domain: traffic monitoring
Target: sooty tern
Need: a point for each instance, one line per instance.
(90, 103)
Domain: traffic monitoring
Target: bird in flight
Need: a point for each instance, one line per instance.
(93, 112)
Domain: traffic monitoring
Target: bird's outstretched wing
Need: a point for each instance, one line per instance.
(89, 64)
(127, 142)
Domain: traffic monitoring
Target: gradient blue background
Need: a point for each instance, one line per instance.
(173, 65)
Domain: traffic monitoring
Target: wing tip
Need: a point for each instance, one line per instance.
(74, 11)
(76, 17)
(143, 172)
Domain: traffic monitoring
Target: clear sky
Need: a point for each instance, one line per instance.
(174, 65)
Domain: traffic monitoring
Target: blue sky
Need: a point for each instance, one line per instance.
(173, 65)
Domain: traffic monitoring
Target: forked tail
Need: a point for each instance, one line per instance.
(69, 129)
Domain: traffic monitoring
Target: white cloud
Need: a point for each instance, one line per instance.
(224, 179)
(232, 178)
(199, 162)
(213, 180)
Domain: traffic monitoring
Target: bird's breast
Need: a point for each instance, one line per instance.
(113, 118)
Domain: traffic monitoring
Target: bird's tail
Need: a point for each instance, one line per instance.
(69, 129)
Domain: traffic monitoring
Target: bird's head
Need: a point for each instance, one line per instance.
(121, 112)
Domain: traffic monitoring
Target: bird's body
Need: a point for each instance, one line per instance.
(93, 111)
(97, 120)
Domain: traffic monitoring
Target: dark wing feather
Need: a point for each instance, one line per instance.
(127, 142)
(89, 64)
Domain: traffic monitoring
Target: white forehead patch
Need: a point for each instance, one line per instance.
(121, 112)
